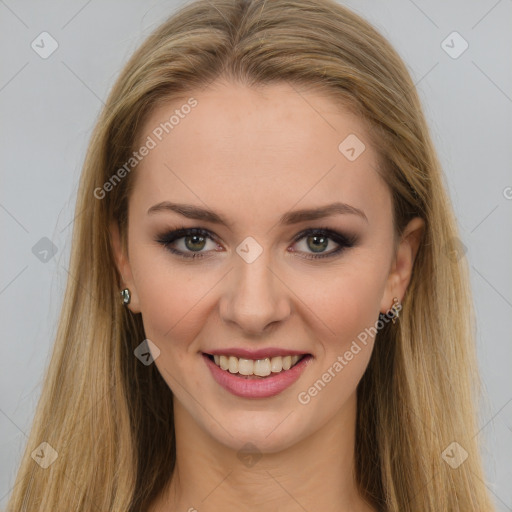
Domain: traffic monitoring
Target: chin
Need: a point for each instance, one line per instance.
(268, 431)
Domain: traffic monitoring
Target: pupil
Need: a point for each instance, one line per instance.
(322, 245)
(195, 237)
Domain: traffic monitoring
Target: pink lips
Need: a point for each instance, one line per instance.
(257, 387)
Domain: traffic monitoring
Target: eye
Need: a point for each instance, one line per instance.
(317, 240)
(194, 240)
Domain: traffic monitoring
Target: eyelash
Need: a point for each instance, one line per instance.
(344, 241)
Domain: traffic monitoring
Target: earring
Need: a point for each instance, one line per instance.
(396, 307)
(125, 294)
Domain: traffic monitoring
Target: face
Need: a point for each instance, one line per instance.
(265, 280)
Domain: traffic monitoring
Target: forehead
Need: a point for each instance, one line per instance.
(245, 150)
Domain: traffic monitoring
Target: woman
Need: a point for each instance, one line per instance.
(263, 192)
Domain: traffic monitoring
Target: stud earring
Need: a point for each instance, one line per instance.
(125, 294)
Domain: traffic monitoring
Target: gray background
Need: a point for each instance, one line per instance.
(49, 106)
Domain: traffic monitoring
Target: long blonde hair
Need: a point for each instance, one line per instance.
(110, 418)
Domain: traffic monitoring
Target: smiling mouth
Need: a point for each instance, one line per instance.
(255, 368)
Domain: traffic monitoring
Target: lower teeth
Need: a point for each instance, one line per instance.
(253, 376)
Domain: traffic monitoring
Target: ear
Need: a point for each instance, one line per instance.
(123, 267)
(401, 270)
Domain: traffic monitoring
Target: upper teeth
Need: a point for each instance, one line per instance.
(260, 367)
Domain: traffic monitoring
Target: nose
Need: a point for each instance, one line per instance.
(255, 296)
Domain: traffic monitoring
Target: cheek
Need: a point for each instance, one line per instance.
(173, 298)
(163, 292)
(345, 301)
(349, 306)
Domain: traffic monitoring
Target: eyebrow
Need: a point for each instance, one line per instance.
(196, 212)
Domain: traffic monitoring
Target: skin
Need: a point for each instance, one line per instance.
(252, 155)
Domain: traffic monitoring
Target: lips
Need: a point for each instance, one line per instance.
(257, 387)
